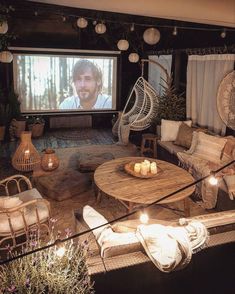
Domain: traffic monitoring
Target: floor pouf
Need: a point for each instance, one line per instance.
(88, 162)
(62, 185)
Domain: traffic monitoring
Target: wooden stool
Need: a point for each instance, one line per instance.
(149, 144)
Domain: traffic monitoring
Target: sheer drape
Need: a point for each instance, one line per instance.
(204, 74)
(156, 74)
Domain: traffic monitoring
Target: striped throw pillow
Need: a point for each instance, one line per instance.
(209, 147)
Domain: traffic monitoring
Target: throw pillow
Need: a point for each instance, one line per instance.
(7, 202)
(184, 136)
(209, 147)
(170, 128)
(230, 182)
(228, 153)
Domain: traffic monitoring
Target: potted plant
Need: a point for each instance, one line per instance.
(4, 119)
(18, 123)
(172, 106)
(36, 125)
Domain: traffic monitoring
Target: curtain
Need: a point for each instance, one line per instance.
(204, 74)
(156, 75)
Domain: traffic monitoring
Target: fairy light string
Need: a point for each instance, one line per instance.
(58, 242)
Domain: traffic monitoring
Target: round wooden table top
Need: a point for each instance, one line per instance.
(112, 179)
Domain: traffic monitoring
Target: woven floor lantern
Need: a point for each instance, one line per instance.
(26, 157)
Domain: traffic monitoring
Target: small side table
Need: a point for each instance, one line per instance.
(149, 144)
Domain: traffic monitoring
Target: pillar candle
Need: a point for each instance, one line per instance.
(144, 169)
(153, 168)
(137, 167)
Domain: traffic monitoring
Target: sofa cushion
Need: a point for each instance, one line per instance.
(9, 202)
(185, 135)
(228, 153)
(209, 147)
(171, 147)
(170, 128)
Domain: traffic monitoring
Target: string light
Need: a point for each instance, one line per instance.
(144, 218)
(175, 32)
(223, 34)
(213, 180)
(112, 221)
(60, 251)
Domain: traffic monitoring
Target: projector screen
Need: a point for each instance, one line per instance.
(49, 83)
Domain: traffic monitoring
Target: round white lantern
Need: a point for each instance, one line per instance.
(151, 36)
(6, 57)
(3, 27)
(133, 57)
(100, 28)
(82, 23)
(123, 45)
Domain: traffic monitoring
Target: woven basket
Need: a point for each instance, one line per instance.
(49, 161)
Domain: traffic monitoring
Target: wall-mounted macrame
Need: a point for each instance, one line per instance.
(226, 100)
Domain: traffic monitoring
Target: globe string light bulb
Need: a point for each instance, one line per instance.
(60, 251)
(144, 218)
(132, 28)
(175, 32)
(213, 180)
(223, 34)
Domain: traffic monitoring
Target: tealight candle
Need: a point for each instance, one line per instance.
(144, 169)
(153, 168)
(137, 167)
(26, 154)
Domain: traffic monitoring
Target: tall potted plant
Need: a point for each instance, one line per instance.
(4, 119)
(18, 123)
(172, 106)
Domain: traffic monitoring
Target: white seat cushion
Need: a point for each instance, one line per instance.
(29, 212)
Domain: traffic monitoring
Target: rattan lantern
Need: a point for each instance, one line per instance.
(151, 36)
(49, 161)
(26, 157)
(3, 27)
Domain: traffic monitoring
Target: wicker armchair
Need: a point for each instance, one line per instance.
(31, 213)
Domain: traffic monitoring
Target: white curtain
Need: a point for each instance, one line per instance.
(156, 75)
(204, 74)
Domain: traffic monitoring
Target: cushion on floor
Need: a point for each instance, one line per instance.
(62, 185)
(88, 162)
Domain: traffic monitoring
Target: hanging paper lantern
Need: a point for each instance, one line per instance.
(100, 28)
(82, 23)
(123, 45)
(151, 36)
(6, 57)
(133, 57)
(3, 27)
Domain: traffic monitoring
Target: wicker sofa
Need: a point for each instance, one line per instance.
(210, 270)
(167, 150)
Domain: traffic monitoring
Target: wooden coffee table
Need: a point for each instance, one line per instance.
(113, 180)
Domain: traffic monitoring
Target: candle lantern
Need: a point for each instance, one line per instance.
(49, 161)
(26, 157)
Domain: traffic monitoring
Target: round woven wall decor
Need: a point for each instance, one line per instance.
(226, 100)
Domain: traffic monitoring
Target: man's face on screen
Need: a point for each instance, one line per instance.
(86, 86)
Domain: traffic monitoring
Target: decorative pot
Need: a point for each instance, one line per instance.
(36, 129)
(2, 132)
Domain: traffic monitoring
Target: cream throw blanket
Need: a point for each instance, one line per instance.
(170, 248)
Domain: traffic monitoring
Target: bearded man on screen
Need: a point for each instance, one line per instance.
(87, 84)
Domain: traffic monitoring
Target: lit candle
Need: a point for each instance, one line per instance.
(50, 163)
(144, 169)
(153, 168)
(26, 154)
(137, 167)
(147, 162)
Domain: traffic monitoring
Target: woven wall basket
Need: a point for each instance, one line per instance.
(26, 157)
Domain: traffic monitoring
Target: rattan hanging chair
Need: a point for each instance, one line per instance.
(140, 109)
